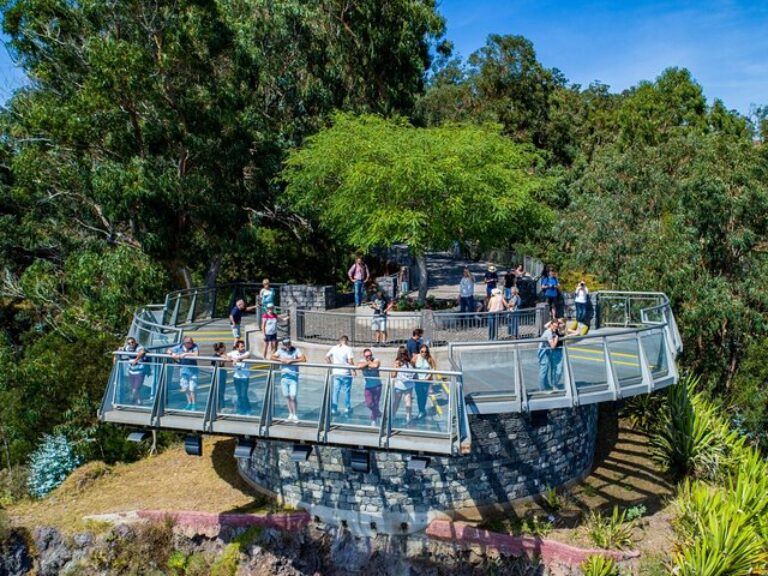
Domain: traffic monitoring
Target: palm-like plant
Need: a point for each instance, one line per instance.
(599, 566)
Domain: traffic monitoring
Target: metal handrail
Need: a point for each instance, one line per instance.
(210, 418)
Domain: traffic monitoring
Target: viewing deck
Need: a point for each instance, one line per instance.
(630, 350)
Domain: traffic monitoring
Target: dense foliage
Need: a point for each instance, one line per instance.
(372, 182)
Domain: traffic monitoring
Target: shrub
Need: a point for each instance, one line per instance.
(635, 512)
(13, 485)
(643, 411)
(599, 566)
(613, 531)
(692, 437)
(50, 464)
(552, 500)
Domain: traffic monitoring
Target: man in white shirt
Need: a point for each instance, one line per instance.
(341, 355)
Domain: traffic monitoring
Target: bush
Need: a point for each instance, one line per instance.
(692, 437)
(13, 485)
(610, 532)
(599, 566)
(50, 464)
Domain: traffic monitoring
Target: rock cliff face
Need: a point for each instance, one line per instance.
(146, 548)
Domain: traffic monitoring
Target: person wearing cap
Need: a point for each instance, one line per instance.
(269, 329)
(491, 279)
(496, 305)
(236, 317)
(288, 355)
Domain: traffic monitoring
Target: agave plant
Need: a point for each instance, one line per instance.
(726, 545)
(599, 566)
(612, 531)
(692, 437)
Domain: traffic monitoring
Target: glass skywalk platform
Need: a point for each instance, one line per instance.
(631, 350)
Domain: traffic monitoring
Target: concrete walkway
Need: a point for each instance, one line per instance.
(444, 274)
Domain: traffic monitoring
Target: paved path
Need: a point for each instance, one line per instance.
(444, 274)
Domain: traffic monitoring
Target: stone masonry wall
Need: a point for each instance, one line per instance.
(307, 296)
(513, 456)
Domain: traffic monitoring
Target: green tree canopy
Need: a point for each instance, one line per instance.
(371, 181)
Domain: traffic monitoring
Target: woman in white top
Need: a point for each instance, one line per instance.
(467, 292)
(581, 298)
(404, 383)
(423, 361)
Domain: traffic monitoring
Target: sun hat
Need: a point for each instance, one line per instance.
(286, 340)
(270, 305)
(491, 268)
(496, 291)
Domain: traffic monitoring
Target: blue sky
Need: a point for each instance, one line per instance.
(723, 43)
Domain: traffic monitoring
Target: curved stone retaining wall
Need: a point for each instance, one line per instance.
(513, 456)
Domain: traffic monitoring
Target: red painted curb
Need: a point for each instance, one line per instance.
(205, 520)
(547, 550)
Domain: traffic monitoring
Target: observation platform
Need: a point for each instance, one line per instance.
(630, 350)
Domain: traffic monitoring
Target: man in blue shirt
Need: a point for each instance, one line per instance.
(236, 318)
(551, 286)
(185, 354)
(414, 343)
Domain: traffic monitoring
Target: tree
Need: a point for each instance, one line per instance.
(371, 181)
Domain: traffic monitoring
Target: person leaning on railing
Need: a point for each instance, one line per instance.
(220, 353)
(289, 356)
(369, 367)
(237, 356)
(423, 361)
(137, 370)
(403, 386)
(185, 354)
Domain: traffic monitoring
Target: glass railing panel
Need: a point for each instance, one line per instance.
(542, 368)
(187, 388)
(420, 404)
(655, 348)
(242, 390)
(185, 300)
(625, 358)
(613, 311)
(639, 303)
(301, 390)
(358, 400)
(588, 365)
(136, 384)
(488, 370)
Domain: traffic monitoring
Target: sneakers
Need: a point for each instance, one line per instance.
(348, 412)
(374, 423)
(421, 415)
(292, 418)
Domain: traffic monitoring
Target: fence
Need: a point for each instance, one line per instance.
(205, 303)
(329, 403)
(440, 328)
(520, 376)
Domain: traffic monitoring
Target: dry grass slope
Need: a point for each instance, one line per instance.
(169, 481)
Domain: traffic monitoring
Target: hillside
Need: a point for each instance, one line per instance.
(170, 481)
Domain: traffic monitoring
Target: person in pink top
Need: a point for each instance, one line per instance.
(358, 275)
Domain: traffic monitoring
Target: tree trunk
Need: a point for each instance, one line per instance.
(213, 272)
(185, 276)
(421, 262)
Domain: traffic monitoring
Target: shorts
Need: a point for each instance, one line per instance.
(270, 337)
(379, 323)
(236, 331)
(290, 386)
(188, 382)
